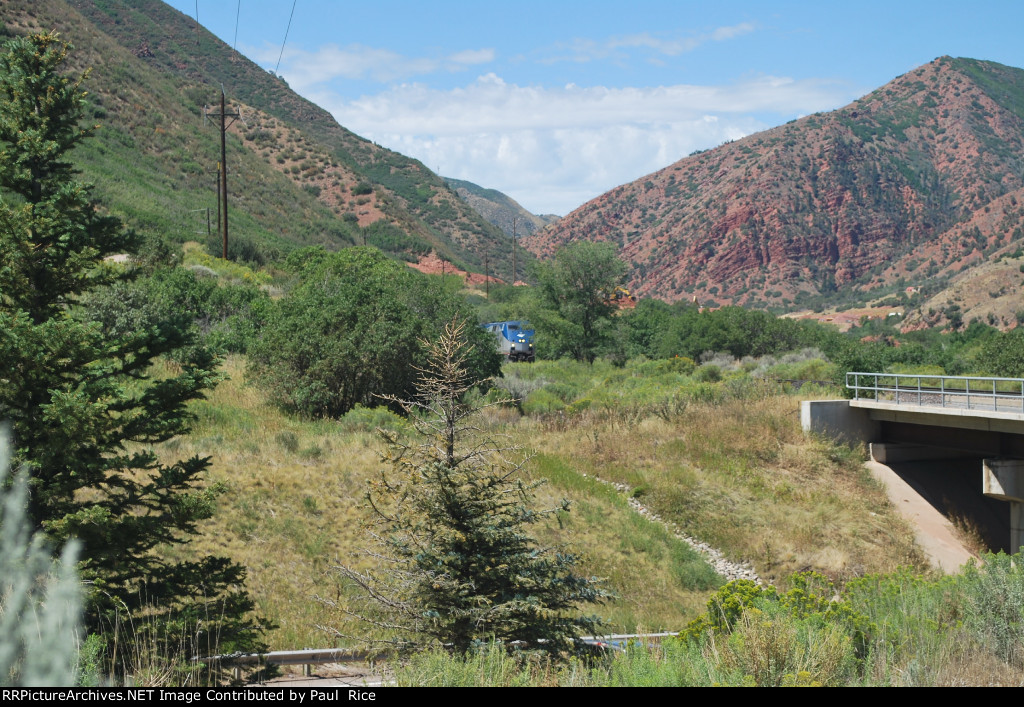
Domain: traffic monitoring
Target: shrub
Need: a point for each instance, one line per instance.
(708, 373)
(40, 599)
(993, 606)
(542, 401)
(366, 419)
(353, 331)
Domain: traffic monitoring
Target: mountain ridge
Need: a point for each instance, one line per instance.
(500, 209)
(804, 213)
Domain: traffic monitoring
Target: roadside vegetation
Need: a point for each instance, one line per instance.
(899, 629)
(711, 444)
(209, 430)
(701, 455)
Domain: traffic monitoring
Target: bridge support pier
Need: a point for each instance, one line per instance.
(1004, 479)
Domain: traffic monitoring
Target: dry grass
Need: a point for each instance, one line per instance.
(292, 504)
(740, 475)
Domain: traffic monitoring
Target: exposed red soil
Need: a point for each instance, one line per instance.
(431, 264)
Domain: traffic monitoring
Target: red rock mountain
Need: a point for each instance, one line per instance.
(911, 183)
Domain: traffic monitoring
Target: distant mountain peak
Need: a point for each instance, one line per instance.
(861, 198)
(499, 209)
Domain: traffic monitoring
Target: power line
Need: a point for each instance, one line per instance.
(238, 12)
(294, 2)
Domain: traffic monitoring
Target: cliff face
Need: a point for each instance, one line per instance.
(918, 178)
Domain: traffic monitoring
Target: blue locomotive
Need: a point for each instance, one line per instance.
(514, 339)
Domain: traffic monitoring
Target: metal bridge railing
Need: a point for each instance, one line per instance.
(963, 392)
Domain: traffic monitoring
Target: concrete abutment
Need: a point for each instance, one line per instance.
(944, 443)
(1004, 479)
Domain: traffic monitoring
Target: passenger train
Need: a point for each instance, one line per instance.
(514, 339)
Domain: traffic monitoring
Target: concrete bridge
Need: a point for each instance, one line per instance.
(960, 439)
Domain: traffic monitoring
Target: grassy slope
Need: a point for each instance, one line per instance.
(155, 157)
(730, 465)
(737, 474)
(170, 69)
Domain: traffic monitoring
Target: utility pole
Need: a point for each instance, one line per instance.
(218, 199)
(487, 279)
(222, 184)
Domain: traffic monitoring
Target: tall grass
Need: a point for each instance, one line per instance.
(897, 629)
(724, 461)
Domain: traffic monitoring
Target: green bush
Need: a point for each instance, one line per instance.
(542, 401)
(367, 419)
(1003, 354)
(708, 373)
(993, 606)
(226, 317)
(563, 391)
(352, 331)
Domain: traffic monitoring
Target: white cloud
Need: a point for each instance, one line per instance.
(471, 57)
(552, 149)
(584, 50)
(723, 33)
(305, 69)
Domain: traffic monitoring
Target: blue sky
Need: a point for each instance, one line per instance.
(556, 102)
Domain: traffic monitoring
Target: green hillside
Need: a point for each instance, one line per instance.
(295, 177)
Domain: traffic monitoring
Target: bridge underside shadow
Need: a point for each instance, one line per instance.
(966, 465)
(952, 487)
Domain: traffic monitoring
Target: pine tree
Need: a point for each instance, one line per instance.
(450, 514)
(85, 409)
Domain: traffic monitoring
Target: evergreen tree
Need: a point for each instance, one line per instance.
(450, 514)
(84, 408)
